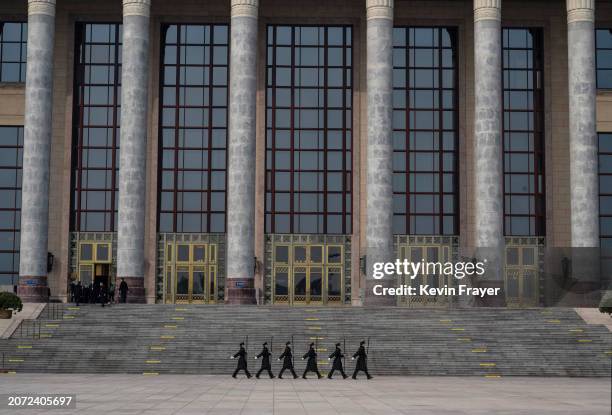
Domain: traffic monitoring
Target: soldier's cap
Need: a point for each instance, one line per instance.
(311, 344)
(287, 344)
(242, 344)
(265, 343)
(361, 343)
(337, 344)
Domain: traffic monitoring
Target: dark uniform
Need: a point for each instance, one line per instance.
(123, 289)
(362, 361)
(287, 357)
(78, 293)
(311, 364)
(242, 362)
(337, 364)
(265, 361)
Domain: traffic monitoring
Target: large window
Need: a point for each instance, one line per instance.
(193, 139)
(605, 190)
(308, 129)
(425, 131)
(11, 153)
(13, 45)
(603, 41)
(523, 135)
(96, 127)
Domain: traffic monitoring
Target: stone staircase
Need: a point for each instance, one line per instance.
(198, 339)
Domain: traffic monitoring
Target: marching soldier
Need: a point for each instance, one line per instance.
(311, 364)
(337, 364)
(242, 362)
(287, 357)
(265, 361)
(362, 361)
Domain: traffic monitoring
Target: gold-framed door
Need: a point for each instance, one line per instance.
(521, 282)
(438, 254)
(191, 273)
(307, 274)
(92, 257)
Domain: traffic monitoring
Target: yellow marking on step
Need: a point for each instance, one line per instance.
(46, 336)
(576, 330)
(169, 326)
(11, 372)
(51, 325)
(167, 337)
(310, 310)
(180, 309)
(317, 338)
(150, 373)
(584, 341)
(445, 321)
(479, 350)
(323, 362)
(464, 339)
(608, 352)
(553, 321)
(488, 364)
(23, 346)
(311, 319)
(457, 329)
(74, 308)
(68, 317)
(153, 362)
(313, 328)
(15, 360)
(178, 318)
(492, 376)
(158, 348)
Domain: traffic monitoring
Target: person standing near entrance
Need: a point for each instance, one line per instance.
(242, 362)
(311, 364)
(78, 293)
(337, 364)
(123, 290)
(362, 361)
(287, 357)
(265, 361)
(111, 293)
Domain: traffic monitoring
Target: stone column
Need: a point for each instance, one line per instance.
(379, 191)
(584, 187)
(240, 279)
(132, 169)
(36, 152)
(488, 151)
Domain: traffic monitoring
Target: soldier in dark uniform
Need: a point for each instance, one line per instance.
(265, 361)
(78, 293)
(337, 364)
(362, 361)
(242, 362)
(287, 357)
(311, 364)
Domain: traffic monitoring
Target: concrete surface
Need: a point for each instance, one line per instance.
(133, 394)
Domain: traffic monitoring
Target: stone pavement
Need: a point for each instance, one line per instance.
(194, 394)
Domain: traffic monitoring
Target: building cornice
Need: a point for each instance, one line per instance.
(487, 10)
(137, 8)
(379, 9)
(41, 7)
(245, 8)
(580, 11)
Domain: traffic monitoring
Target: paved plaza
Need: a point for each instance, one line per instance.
(186, 394)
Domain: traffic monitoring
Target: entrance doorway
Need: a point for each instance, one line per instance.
(191, 273)
(522, 276)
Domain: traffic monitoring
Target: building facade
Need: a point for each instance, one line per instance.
(262, 151)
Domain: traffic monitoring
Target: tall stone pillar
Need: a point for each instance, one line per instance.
(132, 169)
(488, 151)
(584, 188)
(379, 191)
(36, 151)
(240, 279)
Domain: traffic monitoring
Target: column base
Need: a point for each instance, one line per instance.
(33, 289)
(136, 290)
(378, 300)
(491, 300)
(240, 291)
